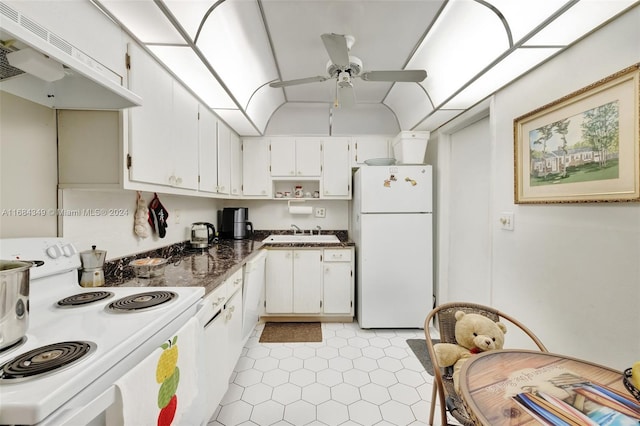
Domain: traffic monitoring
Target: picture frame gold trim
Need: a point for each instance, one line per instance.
(583, 147)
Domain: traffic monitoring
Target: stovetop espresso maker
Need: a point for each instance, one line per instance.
(92, 274)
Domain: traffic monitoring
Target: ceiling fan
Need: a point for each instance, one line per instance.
(344, 68)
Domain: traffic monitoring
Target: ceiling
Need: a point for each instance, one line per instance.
(228, 51)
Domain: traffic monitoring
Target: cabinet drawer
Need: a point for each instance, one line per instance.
(337, 255)
(213, 303)
(234, 283)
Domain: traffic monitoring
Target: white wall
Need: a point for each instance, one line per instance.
(274, 215)
(114, 232)
(28, 168)
(571, 272)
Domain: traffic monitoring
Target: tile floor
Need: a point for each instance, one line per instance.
(353, 377)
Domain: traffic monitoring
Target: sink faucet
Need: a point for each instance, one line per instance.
(318, 228)
(295, 229)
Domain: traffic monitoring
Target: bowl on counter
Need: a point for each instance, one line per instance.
(149, 267)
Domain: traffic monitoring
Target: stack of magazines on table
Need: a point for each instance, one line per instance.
(588, 403)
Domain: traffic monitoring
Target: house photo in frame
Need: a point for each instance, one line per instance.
(584, 147)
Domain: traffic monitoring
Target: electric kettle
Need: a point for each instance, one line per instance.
(203, 234)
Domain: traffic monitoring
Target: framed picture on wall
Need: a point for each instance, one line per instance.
(584, 147)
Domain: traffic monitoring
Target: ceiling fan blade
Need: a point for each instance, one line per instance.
(400, 75)
(337, 48)
(298, 81)
(346, 97)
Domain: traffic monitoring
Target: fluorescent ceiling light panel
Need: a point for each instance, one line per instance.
(517, 63)
(465, 39)
(194, 74)
(263, 103)
(409, 102)
(190, 13)
(438, 118)
(35, 63)
(237, 120)
(235, 44)
(578, 21)
(145, 20)
(523, 16)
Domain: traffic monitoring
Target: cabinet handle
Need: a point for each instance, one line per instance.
(179, 181)
(218, 301)
(232, 309)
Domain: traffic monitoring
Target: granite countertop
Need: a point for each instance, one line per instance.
(209, 268)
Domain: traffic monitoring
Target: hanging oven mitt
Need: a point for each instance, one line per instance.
(140, 227)
(158, 216)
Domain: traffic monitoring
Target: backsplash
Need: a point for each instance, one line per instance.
(118, 269)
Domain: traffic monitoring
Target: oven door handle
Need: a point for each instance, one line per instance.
(88, 412)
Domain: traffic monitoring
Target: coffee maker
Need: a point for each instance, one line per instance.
(234, 223)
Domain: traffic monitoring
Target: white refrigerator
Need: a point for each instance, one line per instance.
(393, 232)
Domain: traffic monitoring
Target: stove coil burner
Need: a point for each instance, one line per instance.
(45, 360)
(141, 301)
(82, 299)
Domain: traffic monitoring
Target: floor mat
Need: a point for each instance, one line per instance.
(287, 332)
(419, 348)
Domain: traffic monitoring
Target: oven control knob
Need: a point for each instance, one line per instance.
(54, 252)
(69, 250)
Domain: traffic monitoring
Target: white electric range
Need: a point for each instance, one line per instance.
(110, 343)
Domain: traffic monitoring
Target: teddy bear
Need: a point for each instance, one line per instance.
(474, 333)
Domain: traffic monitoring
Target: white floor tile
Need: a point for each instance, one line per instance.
(353, 377)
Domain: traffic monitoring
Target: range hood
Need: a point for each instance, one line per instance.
(86, 83)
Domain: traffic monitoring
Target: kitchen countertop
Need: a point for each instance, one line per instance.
(209, 268)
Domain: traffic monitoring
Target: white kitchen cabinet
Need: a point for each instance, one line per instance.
(221, 316)
(233, 319)
(236, 165)
(256, 181)
(293, 281)
(336, 174)
(296, 157)
(367, 147)
(208, 151)
(163, 133)
(224, 159)
(338, 285)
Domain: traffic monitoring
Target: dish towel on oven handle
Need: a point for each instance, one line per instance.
(163, 387)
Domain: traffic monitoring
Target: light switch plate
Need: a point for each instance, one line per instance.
(506, 221)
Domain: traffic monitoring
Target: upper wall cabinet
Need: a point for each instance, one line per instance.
(163, 134)
(256, 182)
(236, 165)
(207, 151)
(367, 147)
(336, 173)
(296, 157)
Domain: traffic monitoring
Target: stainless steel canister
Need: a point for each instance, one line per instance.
(14, 301)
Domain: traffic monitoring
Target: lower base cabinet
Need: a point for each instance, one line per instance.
(309, 282)
(221, 316)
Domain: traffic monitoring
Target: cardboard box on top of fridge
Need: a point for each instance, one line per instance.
(410, 147)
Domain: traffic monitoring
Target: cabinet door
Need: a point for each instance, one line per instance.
(279, 282)
(338, 286)
(236, 165)
(308, 157)
(256, 181)
(233, 318)
(150, 124)
(224, 159)
(307, 281)
(207, 151)
(336, 176)
(215, 352)
(367, 147)
(184, 140)
(283, 157)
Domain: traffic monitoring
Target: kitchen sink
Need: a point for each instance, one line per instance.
(299, 238)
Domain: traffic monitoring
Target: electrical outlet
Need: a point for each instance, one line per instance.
(506, 221)
(176, 216)
(320, 212)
